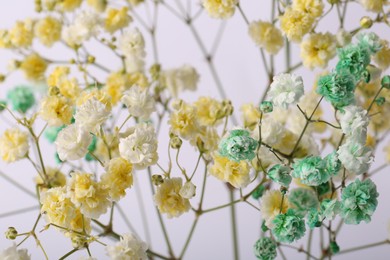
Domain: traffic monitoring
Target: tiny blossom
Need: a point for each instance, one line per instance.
(250, 115)
(13, 145)
(343, 37)
(302, 199)
(220, 9)
(132, 45)
(265, 249)
(359, 201)
(272, 203)
(353, 58)
(317, 49)
(272, 131)
(21, 98)
(139, 102)
(371, 41)
(354, 122)
(140, 146)
(295, 23)
(13, 253)
(91, 115)
(286, 89)
(313, 218)
(266, 35)
(72, 143)
(311, 171)
(332, 163)
(288, 227)
(266, 107)
(355, 157)
(180, 79)
(238, 145)
(280, 174)
(188, 190)
(330, 208)
(56, 110)
(129, 247)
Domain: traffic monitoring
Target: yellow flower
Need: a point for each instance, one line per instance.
(267, 36)
(206, 140)
(235, 173)
(312, 7)
(68, 5)
(98, 5)
(118, 177)
(21, 35)
(112, 141)
(99, 94)
(183, 120)
(220, 9)
(208, 111)
(5, 41)
(271, 206)
(55, 178)
(375, 6)
(382, 57)
(317, 49)
(168, 198)
(68, 87)
(295, 24)
(34, 67)
(53, 80)
(117, 19)
(116, 84)
(48, 30)
(90, 196)
(56, 110)
(250, 116)
(13, 145)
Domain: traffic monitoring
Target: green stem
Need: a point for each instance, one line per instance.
(189, 237)
(364, 247)
(68, 254)
(234, 225)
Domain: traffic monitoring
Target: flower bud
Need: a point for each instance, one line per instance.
(54, 91)
(188, 190)
(380, 101)
(334, 247)
(366, 22)
(79, 241)
(266, 107)
(11, 233)
(386, 82)
(3, 105)
(157, 179)
(175, 142)
(91, 59)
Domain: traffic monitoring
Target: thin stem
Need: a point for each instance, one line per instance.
(234, 225)
(309, 240)
(189, 237)
(145, 223)
(300, 250)
(18, 211)
(196, 166)
(68, 254)
(364, 247)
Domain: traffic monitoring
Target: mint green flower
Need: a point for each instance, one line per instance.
(385, 82)
(302, 200)
(51, 133)
(288, 227)
(238, 146)
(257, 193)
(332, 163)
(265, 249)
(266, 107)
(359, 201)
(21, 98)
(313, 218)
(3, 105)
(280, 174)
(353, 58)
(330, 208)
(323, 188)
(337, 88)
(371, 41)
(311, 171)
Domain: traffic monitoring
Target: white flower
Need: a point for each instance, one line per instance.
(132, 45)
(188, 190)
(13, 145)
(343, 38)
(271, 131)
(130, 247)
(286, 89)
(355, 157)
(72, 143)
(354, 122)
(12, 253)
(140, 146)
(91, 115)
(139, 102)
(180, 79)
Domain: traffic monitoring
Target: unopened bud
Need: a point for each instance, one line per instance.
(266, 107)
(366, 22)
(188, 190)
(385, 82)
(11, 233)
(157, 179)
(175, 142)
(91, 59)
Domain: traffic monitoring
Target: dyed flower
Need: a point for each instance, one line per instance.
(266, 36)
(355, 157)
(271, 205)
(132, 45)
(285, 89)
(302, 199)
(317, 49)
(382, 57)
(358, 201)
(280, 174)
(266, 107)
(220, 9)
(312, 7)
(13, 253)
(117, 19)
(56, 110)
(91, 115)
(128, 247)
(139, 102)
(183, 120)
(34, 67)
(209, 111)
(13, 145)
(168, 199)
(375, 6)
(48, 30)
(250, 115)
(117, 178)
(238, 145)
(330, 208)
(180, 79)
(265, 249)
(140, 146)
(332, 163)
(21, 35)
(313, 218)
(72, 143)
(353, 58)
(311, 171)
(235, 173)
(371, 41)
(21, 98)
(354, 122)
(288, 227)
(98, 5)
(295, 23)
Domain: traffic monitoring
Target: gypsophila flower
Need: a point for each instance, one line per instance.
(129, 247)
(188, 190)
(91, 115)
(117, 19)
(332, 163)
(13, 145)
(139, 102)
(280, 174)
(317, 49)
(272, 203)
(302, 199)
(183, 78)
(168, 199)
(266, 107)
(272, 131)
(355, 157)
(343, 37)
(56, 110)
(295, 23)
(358, 201)
(266, 36)
(330, 208)
(21, 98)
(354, 122)
(13, 253)
(311, 171)
(48, 30)
(288, 227)
(238, 145)
(132, 45)
(72, 143)
(220, 9)
(286, 89)
(371, 41)
(373, 5)
(353, 58)
(265, 249)
(313, 218)
(139, 146)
